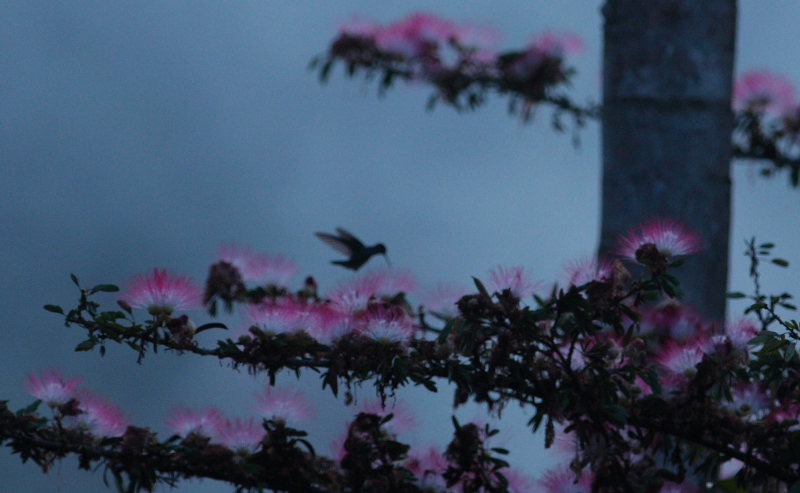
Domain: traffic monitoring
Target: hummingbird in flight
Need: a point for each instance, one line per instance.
(355, 249)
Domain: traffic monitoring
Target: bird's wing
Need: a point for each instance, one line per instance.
(348, 238)
(336, 243)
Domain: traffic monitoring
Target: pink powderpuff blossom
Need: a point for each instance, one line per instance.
(402, 419)
(329, 323)
(258, 267)
(284, 316)
(161, 293)
(357, 27)
(673, 320)
(562, 480)
(681, 360)
(442, 299)
(587, 269)
(762, 90)
(428, 465)
(241, 436)
(515, 279)
(98, 417)
(290, 406)
(519, 482)
(352, 296)
(50, 387)
(740, 332)
(750, 400)
(557, 44)
(386, 325)
(416, 35)
(670, 238)
(183, 421)
(388, 282)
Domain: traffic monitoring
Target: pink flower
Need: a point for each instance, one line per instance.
(386, 282)
(669, 237)
(329, 323)
(762, 90)
(416, 35)
(161, 293)
(740, 332)
(681, 360)
(359, 28)
(241, 436)
(749, 399)
(442, 299)
(671, 319)
(587, 269)
(97, 417)
(386, 325)
(557, 44)
(183, 421)
(286, 405)
(515, 279)
(260, 267)
(428, 466)
(51, 387)
(284, 316)
(519, 482)
(563, 480)
(402, 419)
(352, 296)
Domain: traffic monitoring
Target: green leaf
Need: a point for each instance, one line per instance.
(735, 295)
(75, 279)
(789, 353)
(780, 262)
(212, 325)
(30, 409)
(54, 309)
(86, 345)
(481, 288)
(105, 288)
(766, 246)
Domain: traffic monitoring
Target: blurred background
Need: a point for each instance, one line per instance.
(143, 134)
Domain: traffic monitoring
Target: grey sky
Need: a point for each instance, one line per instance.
(143, 134)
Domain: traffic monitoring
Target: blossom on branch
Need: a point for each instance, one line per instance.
(515, 279)
(290, 406)
(52, 388)
(183, 421)
(764, 91)
(670, 239)
(161, 293)
(260, 267)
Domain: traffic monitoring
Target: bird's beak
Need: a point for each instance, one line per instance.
(387, 260)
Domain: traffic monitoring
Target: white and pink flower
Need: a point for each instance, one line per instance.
(670, 238)
(290, 406)
(258, 267)
(51, 387)
(183, 421)
(515, 279)
(161, 293)
(762, 90)
(243, 436)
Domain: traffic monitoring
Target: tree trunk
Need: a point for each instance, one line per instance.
(667, 123)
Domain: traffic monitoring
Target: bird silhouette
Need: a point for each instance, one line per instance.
(354, 248)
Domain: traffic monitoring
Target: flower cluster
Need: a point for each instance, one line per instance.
(77, 408)
(625, 378)
(460, 60)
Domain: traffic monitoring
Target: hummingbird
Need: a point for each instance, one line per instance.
(354, 248)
